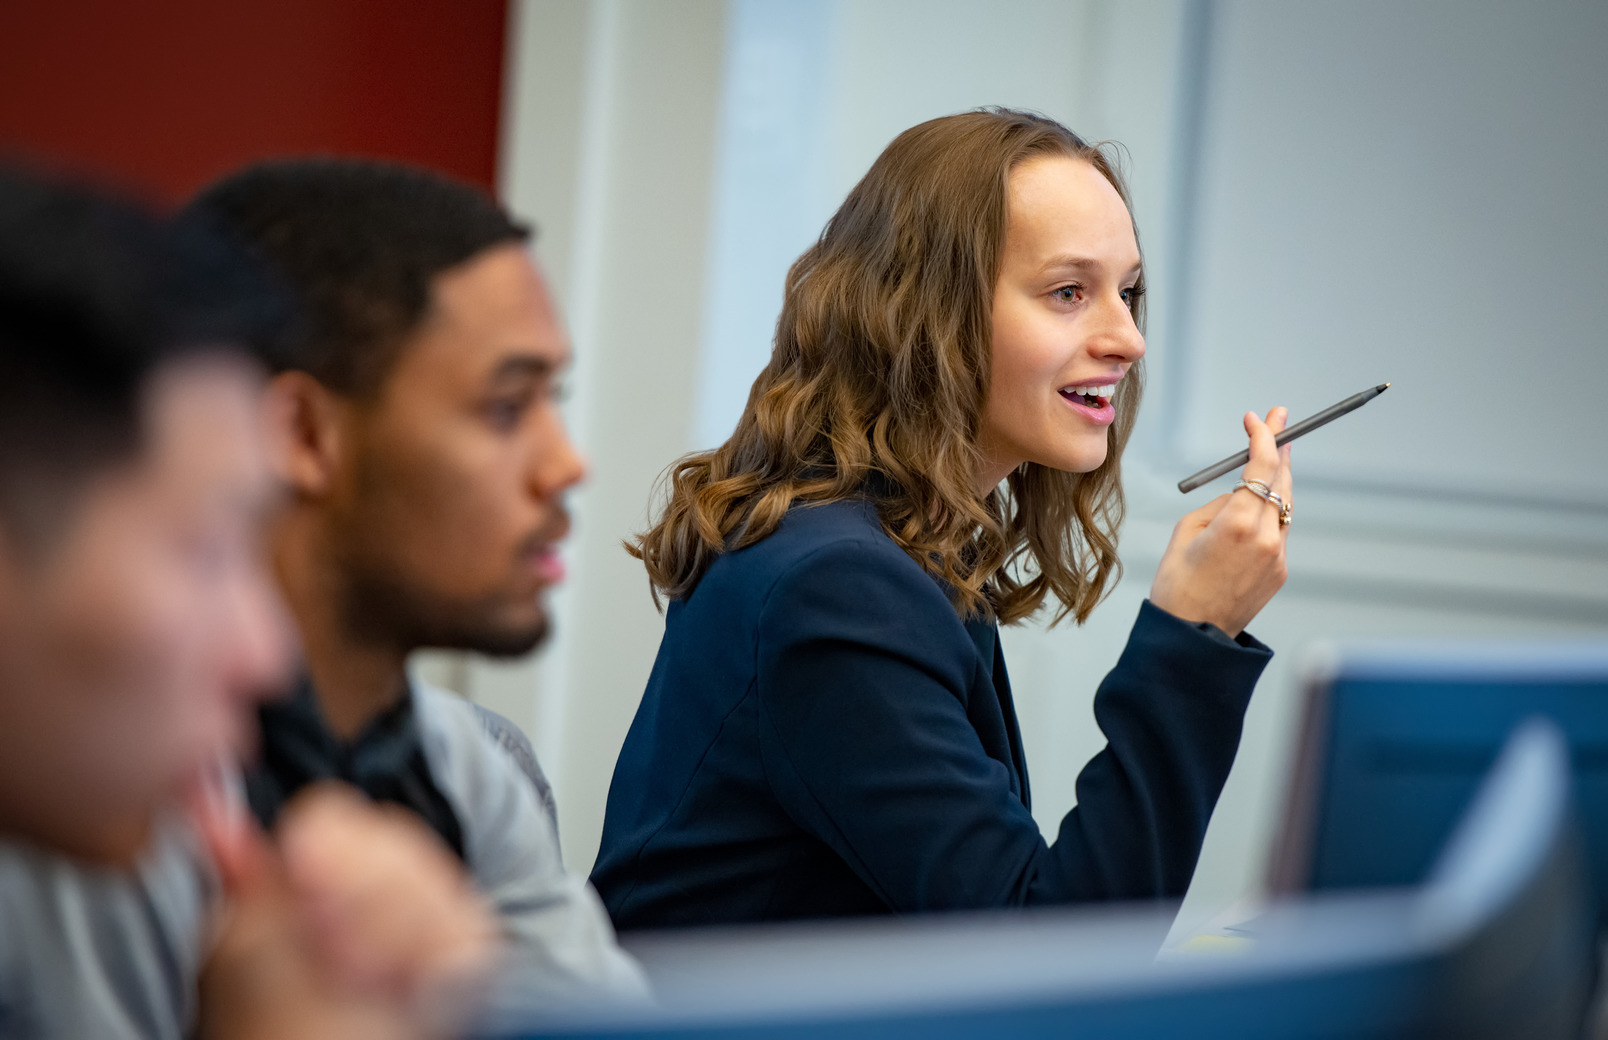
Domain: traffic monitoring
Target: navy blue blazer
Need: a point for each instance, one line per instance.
(823, 735)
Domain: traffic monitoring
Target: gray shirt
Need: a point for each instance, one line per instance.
(561, 940)
(96, 952)
(86, 952)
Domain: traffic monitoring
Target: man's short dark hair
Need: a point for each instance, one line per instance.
(359, 242)
(96, 294)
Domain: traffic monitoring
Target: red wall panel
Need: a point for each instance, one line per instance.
(164, 95)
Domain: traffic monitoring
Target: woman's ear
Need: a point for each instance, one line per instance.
(304, 433)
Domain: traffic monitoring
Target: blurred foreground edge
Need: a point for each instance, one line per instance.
(1496, 943)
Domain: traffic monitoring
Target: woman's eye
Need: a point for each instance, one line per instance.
(1068, 293)
(1132, 294)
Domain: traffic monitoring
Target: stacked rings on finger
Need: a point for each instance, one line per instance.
(1268, 495)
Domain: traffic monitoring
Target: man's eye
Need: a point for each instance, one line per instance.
(1068, 293)
(505, 414)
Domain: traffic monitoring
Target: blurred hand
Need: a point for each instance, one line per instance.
(1226, 559)
(389, 907)
(356, 923)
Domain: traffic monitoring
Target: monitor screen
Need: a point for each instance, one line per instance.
(1396, 740)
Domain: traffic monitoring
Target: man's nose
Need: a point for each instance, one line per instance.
(556, 464)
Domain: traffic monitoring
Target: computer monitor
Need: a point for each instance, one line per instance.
(1494, 945)
(1396, 738)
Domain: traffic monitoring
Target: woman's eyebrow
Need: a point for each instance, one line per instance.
(1069, 262)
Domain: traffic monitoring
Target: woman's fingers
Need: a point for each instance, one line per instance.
(1226, 559)
(1277, 419)
(1244, 507)
(1279, 482)
(1264, 464)
(1208, 512)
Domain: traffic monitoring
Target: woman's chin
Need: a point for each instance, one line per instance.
(1076, 462)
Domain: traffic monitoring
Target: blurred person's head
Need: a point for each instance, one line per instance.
(138, 626)
(428, 461)
(929, 347)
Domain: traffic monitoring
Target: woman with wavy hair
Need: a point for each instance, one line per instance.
(933, 449)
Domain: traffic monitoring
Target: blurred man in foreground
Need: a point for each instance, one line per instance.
(137, 632)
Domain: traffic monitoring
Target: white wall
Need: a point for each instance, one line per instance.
(611, 122)
(1328, 196)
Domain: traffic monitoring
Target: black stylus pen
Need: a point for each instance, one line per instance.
(1288, 434)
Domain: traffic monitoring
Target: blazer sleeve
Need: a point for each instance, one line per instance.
(863, 677)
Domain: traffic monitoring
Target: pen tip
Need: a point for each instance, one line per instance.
(1384, 387)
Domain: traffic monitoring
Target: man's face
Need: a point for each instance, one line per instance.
(136, 642)
(447, 509)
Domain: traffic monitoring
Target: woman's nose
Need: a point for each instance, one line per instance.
(1120, 338)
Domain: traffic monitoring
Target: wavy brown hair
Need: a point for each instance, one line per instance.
(876, 385)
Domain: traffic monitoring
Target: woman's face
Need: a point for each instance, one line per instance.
(1063, 326)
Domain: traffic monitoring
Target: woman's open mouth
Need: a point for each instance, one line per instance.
(1093, 396)
(1093, 401)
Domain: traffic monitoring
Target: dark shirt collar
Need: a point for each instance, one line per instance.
(385, 760)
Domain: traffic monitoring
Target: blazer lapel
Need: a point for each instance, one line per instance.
(986, 637)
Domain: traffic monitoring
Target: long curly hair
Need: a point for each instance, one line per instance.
(876, 385)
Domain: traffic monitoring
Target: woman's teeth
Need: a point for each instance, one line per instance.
(1093, 393)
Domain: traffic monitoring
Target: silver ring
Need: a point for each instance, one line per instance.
(1255, 487)
(1268, 495)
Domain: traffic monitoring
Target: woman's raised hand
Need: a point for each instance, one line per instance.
(1226, 559)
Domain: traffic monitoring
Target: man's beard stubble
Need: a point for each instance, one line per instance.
(379, 608)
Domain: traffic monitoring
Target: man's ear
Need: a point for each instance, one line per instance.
(304, 432)
(10, 579)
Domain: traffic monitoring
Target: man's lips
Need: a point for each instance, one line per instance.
(548, 565)
(541, 550)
